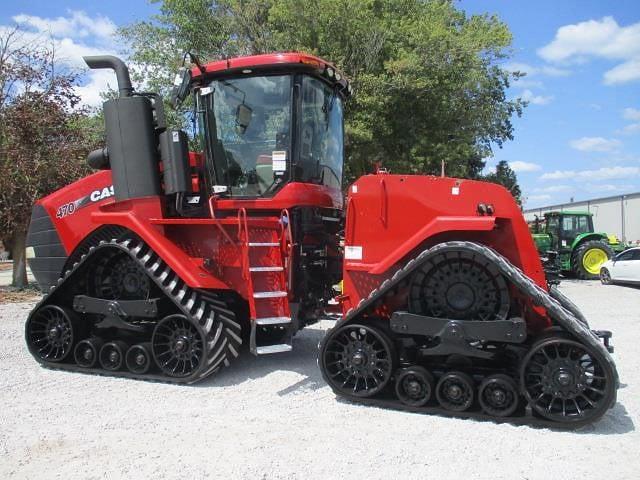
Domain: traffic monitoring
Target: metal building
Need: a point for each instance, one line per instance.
(619, 214)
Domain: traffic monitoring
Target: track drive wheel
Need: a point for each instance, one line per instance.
(459, 285)
(51, 333)
(414, 386)
(455, 391)
(357, 360)
(588, 258)
(498, 395)
(566, 381)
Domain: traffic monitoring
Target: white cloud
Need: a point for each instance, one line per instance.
(605, 173)
(538, 198)
(73, 37)
(631, 114)
(631, 129)
(623, 73)
(528, 83)
(607, 187)
(528, 96)
(554, 189)
(602, 38)
(77, 25)
(519, 166)
(531, 70)
(595, 144)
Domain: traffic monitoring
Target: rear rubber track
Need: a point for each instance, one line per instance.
(207, 309)
(563, 313)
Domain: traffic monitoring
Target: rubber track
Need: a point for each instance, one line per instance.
(561, 315)
(222, 332)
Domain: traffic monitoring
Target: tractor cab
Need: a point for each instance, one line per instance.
(267, 122)
(565, 227)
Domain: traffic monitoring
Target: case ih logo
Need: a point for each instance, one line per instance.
(98, 195)
(95, 196)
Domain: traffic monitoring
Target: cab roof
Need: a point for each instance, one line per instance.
(265, 61)
(568, 212)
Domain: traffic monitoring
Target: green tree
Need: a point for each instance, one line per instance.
(506, 177)
(427, 77)
(43, 138)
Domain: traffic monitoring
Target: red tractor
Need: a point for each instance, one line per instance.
(161, 264)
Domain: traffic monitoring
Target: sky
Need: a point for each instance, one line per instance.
(579, 138)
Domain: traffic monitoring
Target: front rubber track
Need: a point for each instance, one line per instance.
(207, 309)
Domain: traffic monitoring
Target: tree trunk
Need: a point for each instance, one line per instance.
(19, 254)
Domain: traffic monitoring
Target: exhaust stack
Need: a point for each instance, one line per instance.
(122, 72)
(132, 143)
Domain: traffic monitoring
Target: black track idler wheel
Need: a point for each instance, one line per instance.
(414, 386)
(112, 355)
(455, 391)
(498, 395)
(138, 358)
(357, 360)
(178, 346)
(460, 286)
(50, 333)
(566, 381)
(87, 351)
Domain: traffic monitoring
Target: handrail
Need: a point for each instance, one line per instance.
(217, 223)
(286, 244)
(243, 237)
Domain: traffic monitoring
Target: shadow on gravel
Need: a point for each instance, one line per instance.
(301, 360)
(615, 422)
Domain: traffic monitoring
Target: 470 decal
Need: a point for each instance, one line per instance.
(95, 196)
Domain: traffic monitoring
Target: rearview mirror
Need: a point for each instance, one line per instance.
(181, 86)
(243, 117)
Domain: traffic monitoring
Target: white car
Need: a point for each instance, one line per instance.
(623, 268)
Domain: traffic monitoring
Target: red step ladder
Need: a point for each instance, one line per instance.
(265, 267)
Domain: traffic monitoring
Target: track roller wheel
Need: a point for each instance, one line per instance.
(50, 333)
(498, 395)
(414, 386)
(567, 381)
(178, 346)
(112, 355)
(138, 358)
(357, 360)
(455, 391)
(87, 351)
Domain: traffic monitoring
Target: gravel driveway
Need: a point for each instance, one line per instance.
(273, 417)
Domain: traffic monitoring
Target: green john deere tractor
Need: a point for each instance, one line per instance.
(569, 238)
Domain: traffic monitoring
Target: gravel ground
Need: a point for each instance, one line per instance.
(273, 417)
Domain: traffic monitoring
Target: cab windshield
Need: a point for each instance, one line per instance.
(248, 121)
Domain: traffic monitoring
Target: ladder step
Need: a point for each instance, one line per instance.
(266, 269)
(266, 349)
(263, 244)
(274, 294)
(273, 320)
